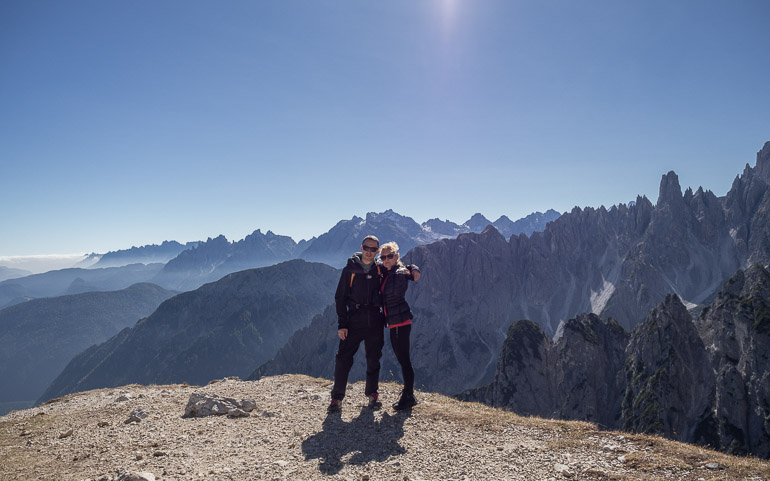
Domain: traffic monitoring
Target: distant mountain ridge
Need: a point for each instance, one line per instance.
(73, 281)
(39, 337)
(335, 246)
(12, 273)
(148, 254)
(200, 262)
(215, 258)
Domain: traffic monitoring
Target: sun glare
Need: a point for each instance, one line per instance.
(448, 11)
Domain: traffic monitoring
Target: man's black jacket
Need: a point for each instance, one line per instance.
(358, 296)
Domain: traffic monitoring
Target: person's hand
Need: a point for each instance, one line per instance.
(343, 333)
(414, 273)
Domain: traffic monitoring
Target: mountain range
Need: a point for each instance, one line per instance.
(643, 267)
(335, 246)
(197, 263)
(149, 254)
(618, 263)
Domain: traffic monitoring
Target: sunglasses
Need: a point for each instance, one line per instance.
(387, 256)
(370, 249)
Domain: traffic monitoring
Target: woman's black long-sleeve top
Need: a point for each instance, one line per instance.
(393, 289)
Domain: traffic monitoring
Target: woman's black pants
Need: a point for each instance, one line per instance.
(399, 339)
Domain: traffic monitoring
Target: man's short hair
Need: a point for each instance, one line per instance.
(371, 237)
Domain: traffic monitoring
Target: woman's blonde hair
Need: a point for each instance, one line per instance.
(391, 247)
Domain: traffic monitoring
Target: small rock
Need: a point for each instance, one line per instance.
(202, 404)
(135, 476)
(136, 416)
(622, 459)
(138, 457)
(65, 434)
(563, 470)
(158, 454)
(713, 466)
(282, 463)
(248, 405)
(122, 398)
(608, 448)
(103, 424)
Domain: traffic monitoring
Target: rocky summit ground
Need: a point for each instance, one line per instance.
(290, 436)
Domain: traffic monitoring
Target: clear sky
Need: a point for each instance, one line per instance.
(132, 122)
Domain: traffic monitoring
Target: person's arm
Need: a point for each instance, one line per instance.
(340, 302)
(414, 272)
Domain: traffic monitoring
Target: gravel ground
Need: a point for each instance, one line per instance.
(290, 436)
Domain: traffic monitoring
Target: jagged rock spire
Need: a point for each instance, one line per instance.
(670, 192)
(763, 162)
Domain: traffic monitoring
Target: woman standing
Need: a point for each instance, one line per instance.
(398, 317)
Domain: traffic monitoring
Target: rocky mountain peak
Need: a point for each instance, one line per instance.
(688, 195)
(388, 214)
(477, 222)
(491, 231)
(670, 387)
(218, 240)
(763, 162)
(670, 192)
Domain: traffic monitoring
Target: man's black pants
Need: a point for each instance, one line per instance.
(374, 339)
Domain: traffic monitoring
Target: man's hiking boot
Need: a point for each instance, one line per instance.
(406, 402)
(374, 401)
(335, 406)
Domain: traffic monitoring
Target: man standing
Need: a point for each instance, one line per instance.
(359, 318)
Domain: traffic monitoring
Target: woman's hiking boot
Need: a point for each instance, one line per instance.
(335, 406)
(406, 402)
(374, 401)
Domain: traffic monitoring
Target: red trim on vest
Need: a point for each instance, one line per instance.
(405, 323)
(382, 294)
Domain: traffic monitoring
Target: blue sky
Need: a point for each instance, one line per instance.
(132, 122)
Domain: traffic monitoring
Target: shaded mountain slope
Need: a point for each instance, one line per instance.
(704, 381)
(223, 328)
(39, 337)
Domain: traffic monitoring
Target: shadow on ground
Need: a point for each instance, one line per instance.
(369, 439)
